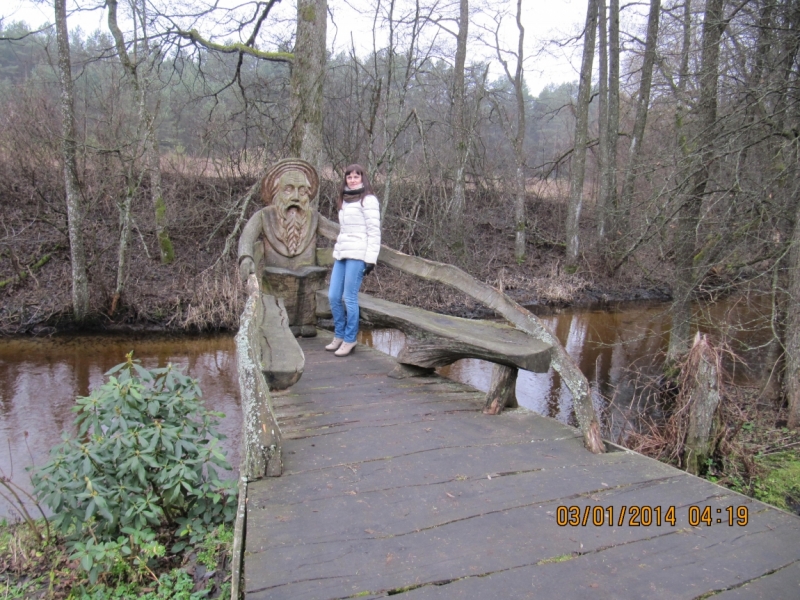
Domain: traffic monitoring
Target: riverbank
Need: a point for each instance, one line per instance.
(209, 297)
(200, 289)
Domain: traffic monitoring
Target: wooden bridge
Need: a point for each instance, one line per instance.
(403, 486)
(369, 476)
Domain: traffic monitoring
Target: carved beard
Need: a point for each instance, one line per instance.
(294, 227)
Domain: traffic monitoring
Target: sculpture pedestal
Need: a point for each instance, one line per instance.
(298, 289)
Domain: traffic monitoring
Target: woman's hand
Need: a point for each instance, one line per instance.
(369, 268)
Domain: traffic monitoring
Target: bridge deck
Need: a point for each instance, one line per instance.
(394, 487)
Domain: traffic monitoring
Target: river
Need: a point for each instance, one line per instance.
(40, 377)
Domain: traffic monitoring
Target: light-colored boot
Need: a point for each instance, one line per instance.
(334, 345)
(345, 349)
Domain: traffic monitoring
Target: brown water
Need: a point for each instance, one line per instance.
(40, 377)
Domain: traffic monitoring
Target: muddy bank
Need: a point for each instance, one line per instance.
(200, 290)
(172, 300)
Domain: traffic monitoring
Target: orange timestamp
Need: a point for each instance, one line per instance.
(645, 516)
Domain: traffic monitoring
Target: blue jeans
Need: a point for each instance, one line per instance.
(343, 296)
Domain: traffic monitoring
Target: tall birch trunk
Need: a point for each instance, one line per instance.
(578, 167)
(520, 213)
(460, 128)
(609, 198)
(69, 152)
(791, 377)
(147, 137)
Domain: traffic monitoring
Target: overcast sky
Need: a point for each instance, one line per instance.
(543, 20)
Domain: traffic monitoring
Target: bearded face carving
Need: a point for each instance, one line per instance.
(290, 218)
(292, 202)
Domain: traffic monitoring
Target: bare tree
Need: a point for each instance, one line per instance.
(139, 72)
(622, 213)
(515, 132)
(69, 150)
(578, 166)
(688, 218)
(792, 344)
(459, 122)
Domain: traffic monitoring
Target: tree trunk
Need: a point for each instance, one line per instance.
(520, 213)
(622, 220)
(308, 75)
(578, 167)
(502, 391)
(689, 215)
(147, 135)
(153, 157)
(791, 378)
(703, 396)
(460, 129)
(69, 151)
(124, 240)
(608, 182)
(602, 121)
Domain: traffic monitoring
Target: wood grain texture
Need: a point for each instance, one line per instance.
(282, 360)
(403, 487)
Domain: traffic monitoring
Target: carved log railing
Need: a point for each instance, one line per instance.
(517, 315)
(261, 440)
(262, 436)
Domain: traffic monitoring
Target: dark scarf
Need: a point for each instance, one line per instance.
(355, 192)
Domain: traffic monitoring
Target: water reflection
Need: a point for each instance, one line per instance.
(41, 377)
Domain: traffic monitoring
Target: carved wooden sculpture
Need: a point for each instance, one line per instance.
(279, 242)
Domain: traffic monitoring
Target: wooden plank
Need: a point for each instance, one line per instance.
(434, 340)
(524, 538)
(444, 465)
(686, 565)
(782, 583)
(403, 509)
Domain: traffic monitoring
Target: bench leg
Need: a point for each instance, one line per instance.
(402, 371)
(502, 392)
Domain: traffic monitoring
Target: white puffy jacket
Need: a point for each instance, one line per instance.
(359, 230)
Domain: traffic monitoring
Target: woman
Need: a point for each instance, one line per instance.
(356, 252)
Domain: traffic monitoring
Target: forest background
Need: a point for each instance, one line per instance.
(668, 168)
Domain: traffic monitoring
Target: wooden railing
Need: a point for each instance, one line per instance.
(261, 435)
(517, 315)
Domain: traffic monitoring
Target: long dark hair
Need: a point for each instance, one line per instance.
(364, 180)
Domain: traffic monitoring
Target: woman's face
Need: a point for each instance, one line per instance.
(353, 180)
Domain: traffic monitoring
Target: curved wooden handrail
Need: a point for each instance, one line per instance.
(262, 436)
(514, 313)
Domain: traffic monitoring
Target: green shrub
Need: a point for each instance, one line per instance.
(170, 586)
(145, 457)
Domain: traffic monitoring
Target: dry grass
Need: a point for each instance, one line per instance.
(217, 301)
(665, 438)
(553, 288)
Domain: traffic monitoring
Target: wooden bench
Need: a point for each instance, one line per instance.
(434, 340)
